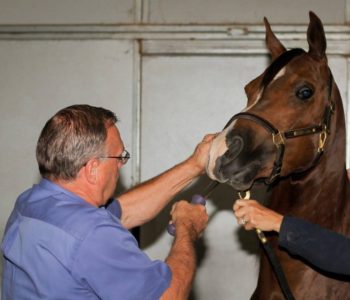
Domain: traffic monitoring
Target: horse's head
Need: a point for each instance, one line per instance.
(286, 119)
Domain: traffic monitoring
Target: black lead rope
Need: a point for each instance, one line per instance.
(271, 255)
(277, 268)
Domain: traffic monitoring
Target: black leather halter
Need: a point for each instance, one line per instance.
(279, 137)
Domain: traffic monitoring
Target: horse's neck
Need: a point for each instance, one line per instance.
(320, 200)
(322, 195)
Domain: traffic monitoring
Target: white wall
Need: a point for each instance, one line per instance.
(169, 84)
(66, 11)
(242, 11)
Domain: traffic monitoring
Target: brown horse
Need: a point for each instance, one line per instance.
(292, 134)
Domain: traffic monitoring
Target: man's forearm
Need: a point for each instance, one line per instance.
(146, 200)
(182, 262)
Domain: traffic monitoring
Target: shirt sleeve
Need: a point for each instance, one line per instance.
(323, 248)
(114, 207)
(110, 262)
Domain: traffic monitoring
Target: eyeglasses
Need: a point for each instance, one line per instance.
(123, 158)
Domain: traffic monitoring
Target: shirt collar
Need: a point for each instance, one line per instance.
(53, 187)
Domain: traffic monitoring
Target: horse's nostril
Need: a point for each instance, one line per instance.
(235, 146)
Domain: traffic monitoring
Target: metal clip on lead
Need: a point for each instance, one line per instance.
(259, 233)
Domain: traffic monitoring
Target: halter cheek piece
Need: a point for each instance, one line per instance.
(279, 137)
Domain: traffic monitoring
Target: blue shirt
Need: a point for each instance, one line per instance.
(58, 246)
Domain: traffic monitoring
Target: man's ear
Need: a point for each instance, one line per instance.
(91, 170)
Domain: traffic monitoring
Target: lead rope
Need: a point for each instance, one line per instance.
(276, 266)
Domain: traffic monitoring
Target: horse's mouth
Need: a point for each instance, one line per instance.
(240, 178)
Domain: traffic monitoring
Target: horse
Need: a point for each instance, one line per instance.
(292, 136)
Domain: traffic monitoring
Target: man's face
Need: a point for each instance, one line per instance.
(109, 167)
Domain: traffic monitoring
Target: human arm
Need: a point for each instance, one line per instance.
(190, 220)
(323, 248)
(145, 201)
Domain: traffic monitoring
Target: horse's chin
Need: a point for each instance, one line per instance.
(240, 185)
(235, 183)
(240, 179)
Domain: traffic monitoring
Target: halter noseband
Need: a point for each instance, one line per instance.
(279, 137)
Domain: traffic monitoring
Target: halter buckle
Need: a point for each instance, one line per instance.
(322, 141)
(278, 138)
(261, 236)
(246, 195)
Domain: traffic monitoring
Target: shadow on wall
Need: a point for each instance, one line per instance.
(222, 198)
(1, 263)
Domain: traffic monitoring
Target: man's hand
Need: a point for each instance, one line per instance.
(189, 219)
(251, 214)
(200, 156)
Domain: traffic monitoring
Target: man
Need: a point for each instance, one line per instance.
(65, 239)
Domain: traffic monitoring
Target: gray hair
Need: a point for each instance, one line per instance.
(71, 138)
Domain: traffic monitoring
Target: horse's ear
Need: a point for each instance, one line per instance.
(316, 37)
(273, 43)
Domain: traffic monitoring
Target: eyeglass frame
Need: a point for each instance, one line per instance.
(123, 158)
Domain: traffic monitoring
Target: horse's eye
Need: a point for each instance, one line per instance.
(304, 93)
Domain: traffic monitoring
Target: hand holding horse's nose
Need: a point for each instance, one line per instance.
(200, 156)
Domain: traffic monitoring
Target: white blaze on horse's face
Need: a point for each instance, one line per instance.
(279, 74)
(219, 146)
(258, 97)
(217, 149)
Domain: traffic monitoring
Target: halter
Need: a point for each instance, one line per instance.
(279, 137)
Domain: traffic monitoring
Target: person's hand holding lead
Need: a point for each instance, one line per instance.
(251, 214)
